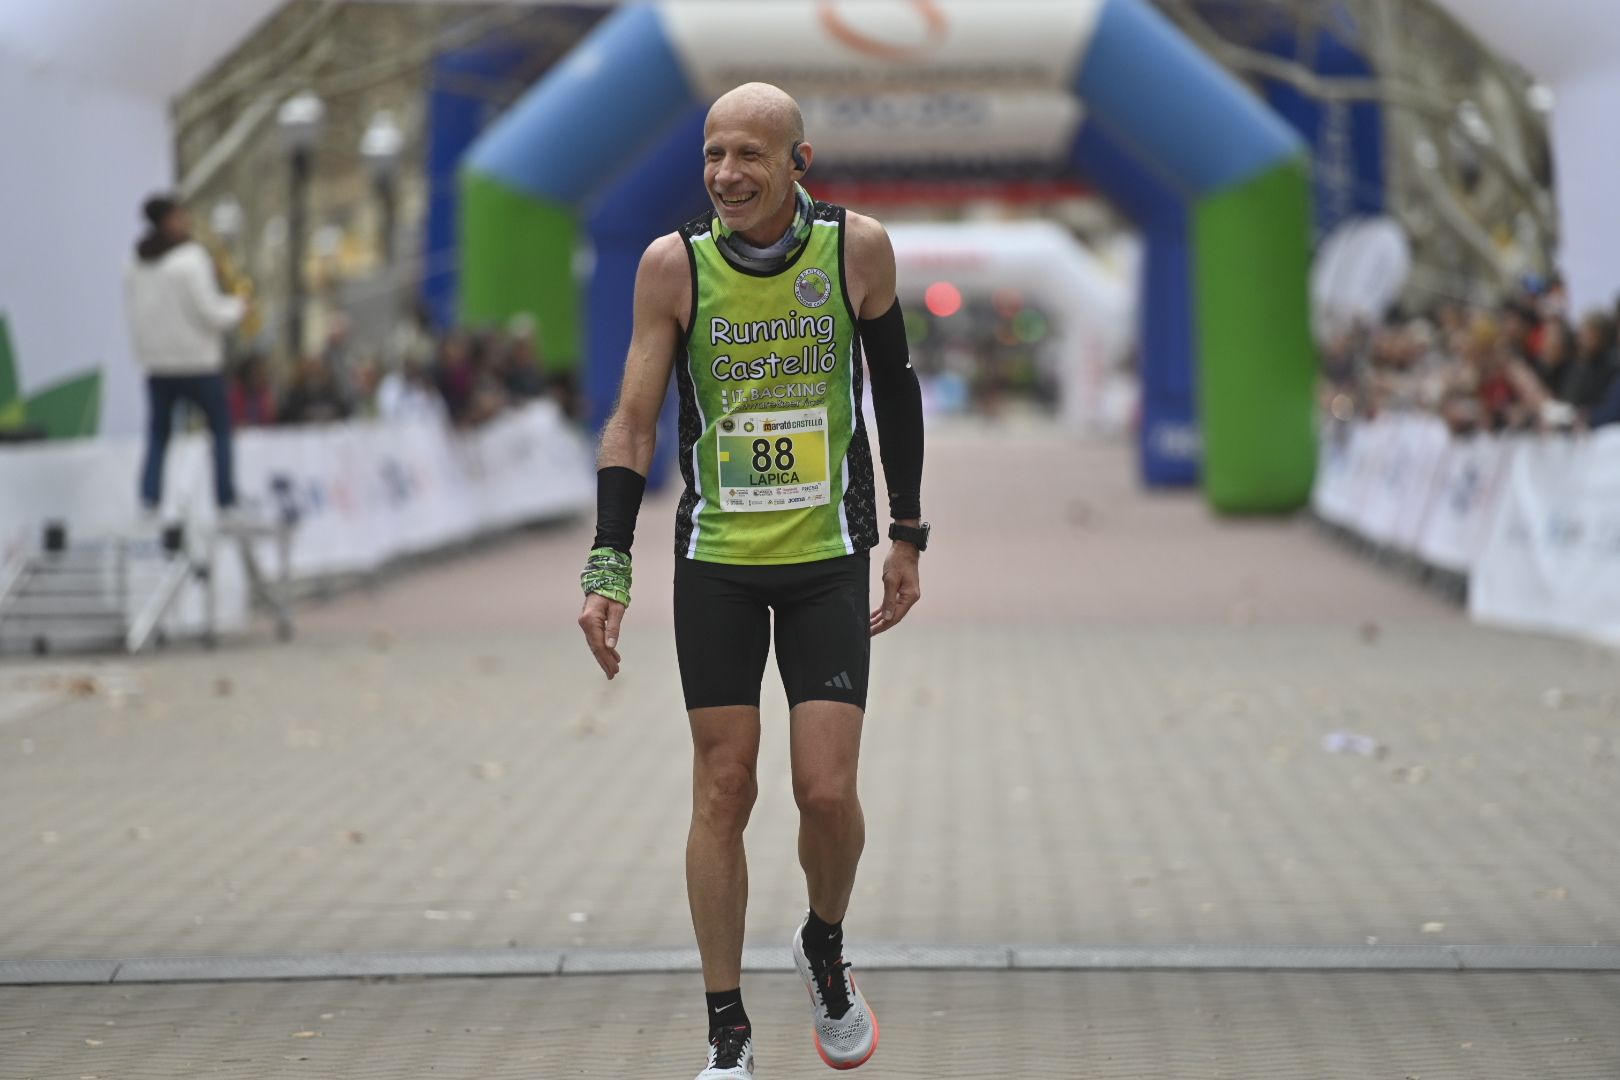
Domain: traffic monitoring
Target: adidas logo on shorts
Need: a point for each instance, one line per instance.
(840, 680)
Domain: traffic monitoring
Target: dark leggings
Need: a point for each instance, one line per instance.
(723, 616)
(206, 392)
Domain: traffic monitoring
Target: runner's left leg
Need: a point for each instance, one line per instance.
(826, 747)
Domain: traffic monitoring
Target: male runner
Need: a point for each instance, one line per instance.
(758, 308)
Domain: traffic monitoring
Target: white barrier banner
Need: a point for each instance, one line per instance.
(1429, 444)
(1398, 485)
(1369, 445)
(1551, 559)
(1461, 503)
(1332, 496)
(1533, 521)
(1374, 485)
(1404, 481)
(363, 493)
(366, 493)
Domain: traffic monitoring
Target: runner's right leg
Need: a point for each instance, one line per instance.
(725, 751)
(722, 637)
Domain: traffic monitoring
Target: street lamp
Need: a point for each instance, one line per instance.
(382, 145)
(299, 119)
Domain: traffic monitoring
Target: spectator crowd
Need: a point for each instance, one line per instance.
(1523, 366)
(464, 377)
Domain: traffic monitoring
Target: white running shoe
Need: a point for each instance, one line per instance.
(731, 1056)
(846, 1030)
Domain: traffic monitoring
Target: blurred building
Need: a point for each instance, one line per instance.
(374, 68)
(1461, 158)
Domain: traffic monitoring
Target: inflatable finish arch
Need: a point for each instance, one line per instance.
(1044, 262)
(606, 148)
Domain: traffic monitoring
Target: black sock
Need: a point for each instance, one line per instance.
(822, 938)
(726, 1010)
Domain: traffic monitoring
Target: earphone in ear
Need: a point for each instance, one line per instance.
(798, 159)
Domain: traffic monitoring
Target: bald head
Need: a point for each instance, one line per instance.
(767, 109)
(749, 163)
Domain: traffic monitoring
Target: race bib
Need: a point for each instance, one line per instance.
(773, 460)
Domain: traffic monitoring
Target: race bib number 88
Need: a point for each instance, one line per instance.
(773, 460)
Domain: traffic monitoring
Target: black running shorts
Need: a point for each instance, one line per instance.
(723, 630)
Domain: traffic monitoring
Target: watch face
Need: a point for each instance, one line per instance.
(911, 534)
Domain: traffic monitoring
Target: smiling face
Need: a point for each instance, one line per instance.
(748, 166)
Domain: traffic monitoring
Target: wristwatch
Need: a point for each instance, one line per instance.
(911, 534)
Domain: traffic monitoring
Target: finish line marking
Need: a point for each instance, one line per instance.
(477, 963)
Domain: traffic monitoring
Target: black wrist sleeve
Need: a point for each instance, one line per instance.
(618, 501)
(897, 400)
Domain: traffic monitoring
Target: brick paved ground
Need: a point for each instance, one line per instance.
(1188, 1026)
(1103, 725)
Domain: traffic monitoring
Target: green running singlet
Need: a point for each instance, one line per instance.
(773, 447)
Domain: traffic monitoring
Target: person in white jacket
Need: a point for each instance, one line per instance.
(177, 316)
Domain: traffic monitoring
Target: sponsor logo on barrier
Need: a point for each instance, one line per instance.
(1465, 490)
(1565, 533)
(391, 484)
(1178, 441)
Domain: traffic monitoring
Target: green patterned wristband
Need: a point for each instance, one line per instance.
(607, 572)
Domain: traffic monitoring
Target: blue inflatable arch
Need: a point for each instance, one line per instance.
(605, 149)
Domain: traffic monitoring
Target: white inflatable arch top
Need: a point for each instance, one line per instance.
(1090, 306)
(1574, 47)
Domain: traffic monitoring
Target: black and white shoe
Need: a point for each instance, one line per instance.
(731, 1055)
(846, 1030)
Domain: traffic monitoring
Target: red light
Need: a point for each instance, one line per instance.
(943, 299)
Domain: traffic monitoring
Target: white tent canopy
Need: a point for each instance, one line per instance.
(85, 88)
(1089, 304)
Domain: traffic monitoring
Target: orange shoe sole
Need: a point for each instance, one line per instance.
(845, 1066)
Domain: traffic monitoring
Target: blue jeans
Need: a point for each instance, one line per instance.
(206, 392)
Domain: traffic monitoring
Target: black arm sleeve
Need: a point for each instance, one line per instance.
(618, 501)
(897, 400)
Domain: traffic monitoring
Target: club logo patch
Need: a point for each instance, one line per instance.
(812, 287)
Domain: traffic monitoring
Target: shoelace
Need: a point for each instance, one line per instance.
(727, 1047)
(829, 976)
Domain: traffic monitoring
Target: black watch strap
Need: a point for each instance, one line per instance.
(911, 534)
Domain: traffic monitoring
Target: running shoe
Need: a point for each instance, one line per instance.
(846, 1030)
(731, 1055)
